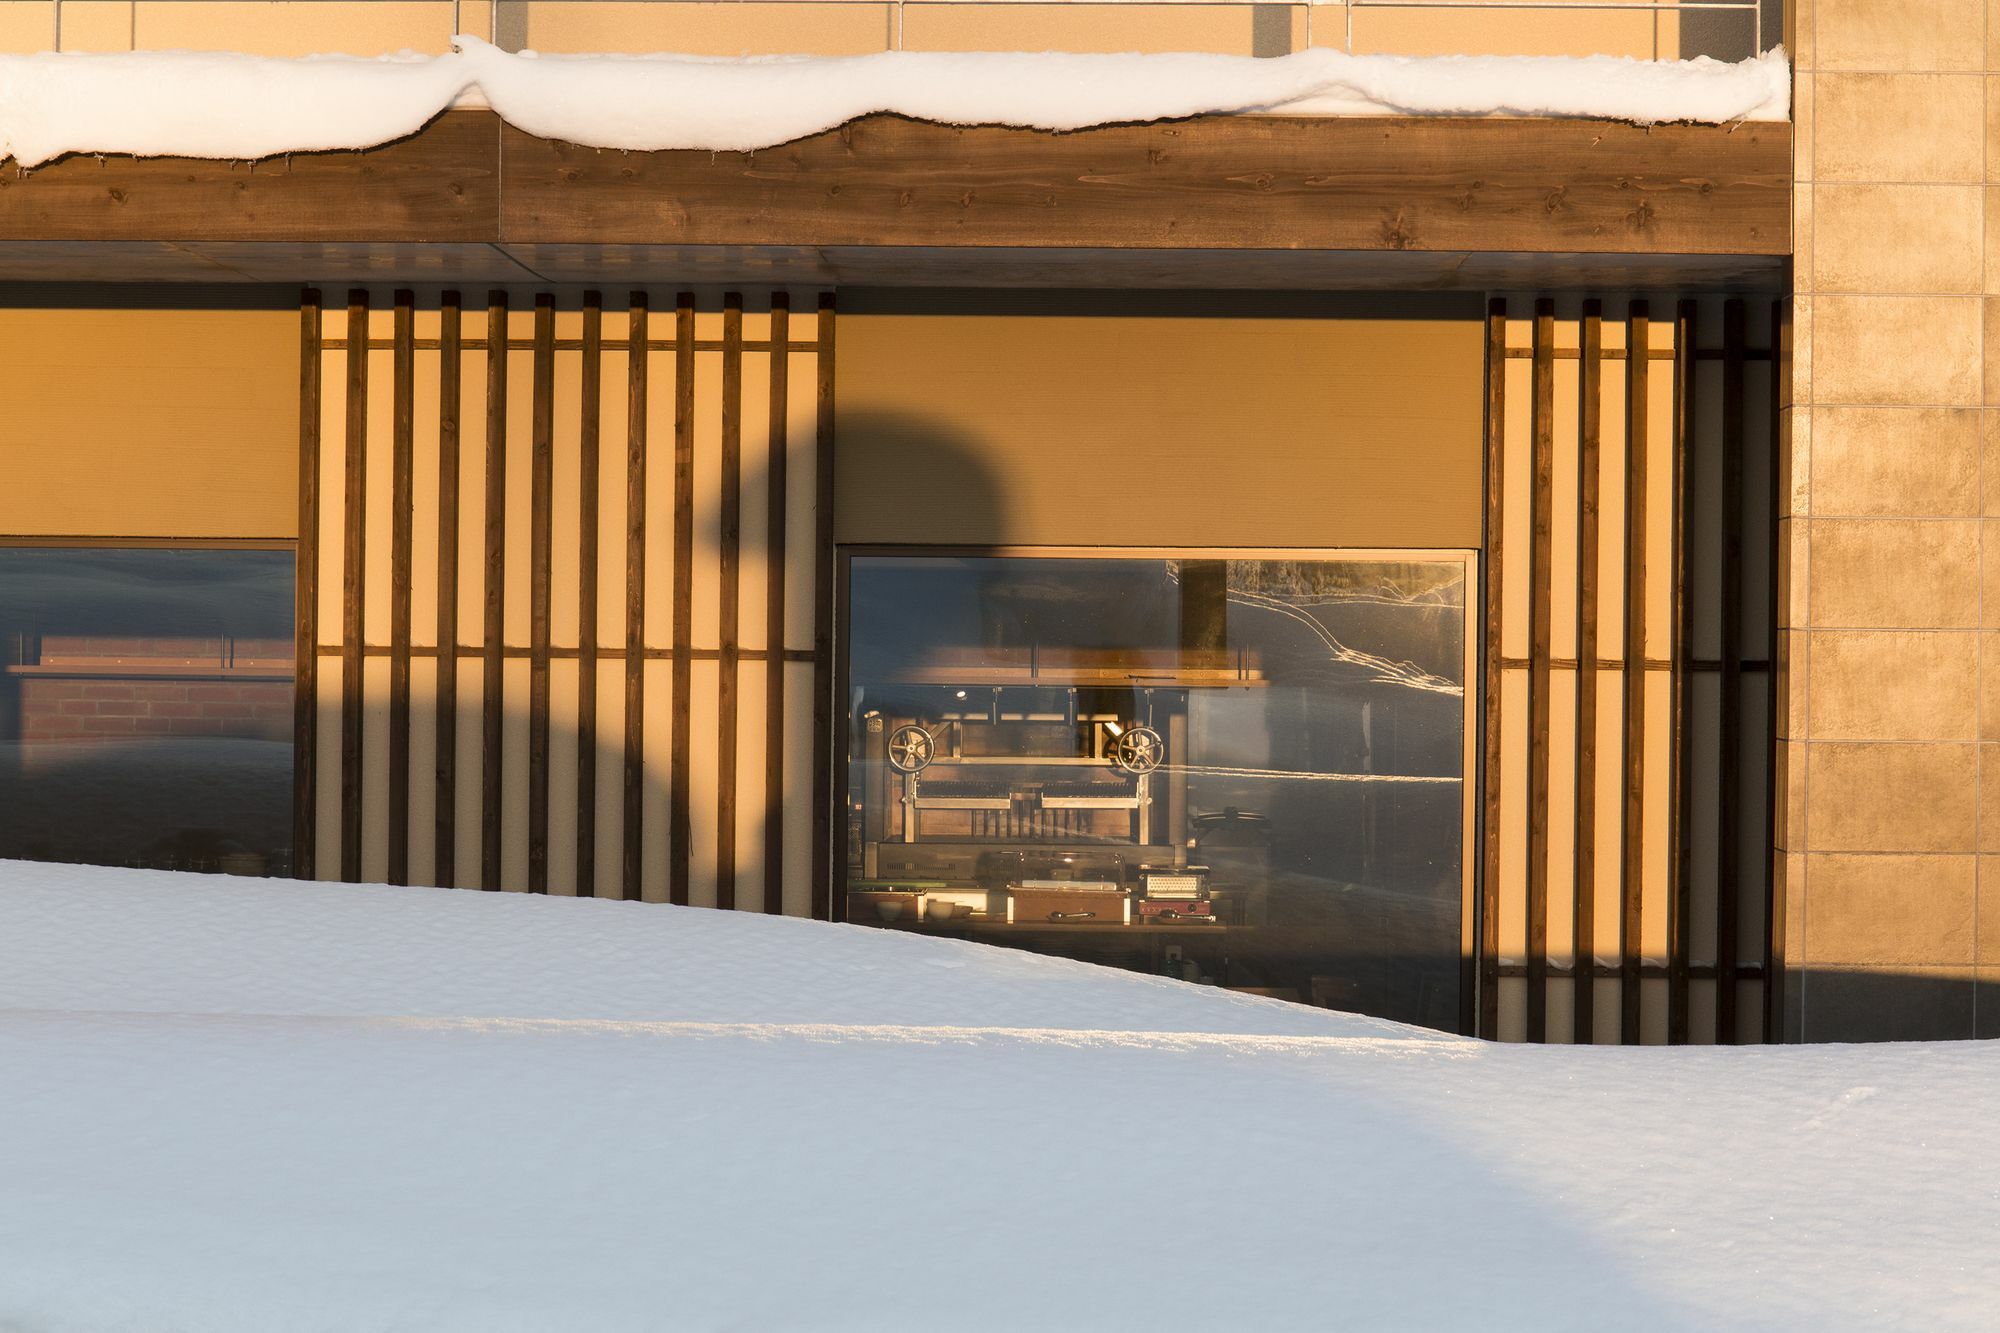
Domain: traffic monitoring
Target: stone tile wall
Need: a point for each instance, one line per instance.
(1890, 526)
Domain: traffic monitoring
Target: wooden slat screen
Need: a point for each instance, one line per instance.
(1625, 887)
(561, 570)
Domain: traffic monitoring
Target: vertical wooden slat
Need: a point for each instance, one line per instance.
(1773, 989)
(305, 594)
(635, 601)
(774, 611)
(449, 351)
(679, 765)
(1729, 785)
(1583, 936)
(731, 537)
(1540, 593)
(586, 597)
(541, 482)
(1680, 896)
(1631, 830)
(823, 710)
(496, 550)
(352, 585)
(401, 464)
(1489, 841)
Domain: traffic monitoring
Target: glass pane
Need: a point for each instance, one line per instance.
(146, 707)
(1245, 771)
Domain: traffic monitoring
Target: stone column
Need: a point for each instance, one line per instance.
(1890, 837)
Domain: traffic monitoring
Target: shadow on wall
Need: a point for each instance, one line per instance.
(1881, 1004)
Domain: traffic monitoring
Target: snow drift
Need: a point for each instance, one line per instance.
(221, 105)
(231, 1105)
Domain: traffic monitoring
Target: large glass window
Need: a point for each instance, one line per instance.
(146, 707)
(1248, 771)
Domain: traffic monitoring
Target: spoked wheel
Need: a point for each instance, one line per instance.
(1139, 750)
(911, 749)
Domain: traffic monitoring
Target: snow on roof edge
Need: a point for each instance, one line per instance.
(229, 106)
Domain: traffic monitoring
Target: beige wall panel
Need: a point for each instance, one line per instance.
(374, 769)
(97, 25)
(956, 427)
(326, 785)
(1565, 533)
(564, 692)
(750, 812)
(1611, 512)
(1660, 509)
(656, 739)
(754, 594)
(802, 506)
(707, 29)
(798, 805)
(1610, 791)
(472, 572)
(610, 779)
(1701, 1012)
(1704, 500)
(611, 475)
(660, 495)
(293, 27)
(27, 26)
(1562, 817)
(1561, 1007)
(423, 770)
(1514, 818)
(424, 494)
(513, 814)
(703, 789)
(1653, 1011)
(565, 498)
(332, 489)
(1499, 32)
(1513, 1009)
(1608, 1015)
(706, 623)
(1517, 508)
(468, 820)
(1658, 809)
(149, 422)
(380, 491)
(516, 577)
(1701, 824)
(1228, 29)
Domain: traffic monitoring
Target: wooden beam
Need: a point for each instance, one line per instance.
(588, 483)
(450, 382)
(778, 510)
(1496, 526)
(1229, 182)
(1583, 918)
(632, 833)
(1729, 783)
(305, 595)
(496, 589)
(823, 600)
(1680, 911)
(402, 448)
(680, 762)
(352, 587)
(541, 528)
(1632, 823)
(730, 559)
(1541, 581)
(1211, 182)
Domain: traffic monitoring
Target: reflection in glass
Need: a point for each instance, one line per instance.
(1249, 771)
(146, 707)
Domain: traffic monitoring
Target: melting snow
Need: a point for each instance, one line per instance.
(237, 1105)
(222, 105)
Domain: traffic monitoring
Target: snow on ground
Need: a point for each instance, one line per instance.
(225, 105)
(236, 1105)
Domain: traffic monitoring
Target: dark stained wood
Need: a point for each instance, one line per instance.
(1631, 829)
(632, 834)
(541, 483)
(352, 584)
(730, 540)
(1490, 749)
(496, 591)
(401, 488)
(678, 811)
(777, 508)
(1729, 784)
(1255, 182)
(1681, 883)
(1583, 937)
(440, 184)
(1541, 567)
(823, 598)
(588, 482)
(1774, 689)
(305, 594)
(450, 388)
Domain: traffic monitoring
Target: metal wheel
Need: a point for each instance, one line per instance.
(1139, 750)
(911, 749)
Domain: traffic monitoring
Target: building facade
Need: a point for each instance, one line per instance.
(1378, 562)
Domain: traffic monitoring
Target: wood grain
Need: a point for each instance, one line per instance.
(1490, 748)
(1632, 821)
(1680, 906)
(588, 469)
(305, 596)
(730, 540)
(1541, 587)
(1729, 784)
(402, 445)
(1583, 919)
(823, 596)
(632, 832)
(352, 585)
(679, 755)
(777, 510)
(492, 659)
(541, 526)
(450, 382)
